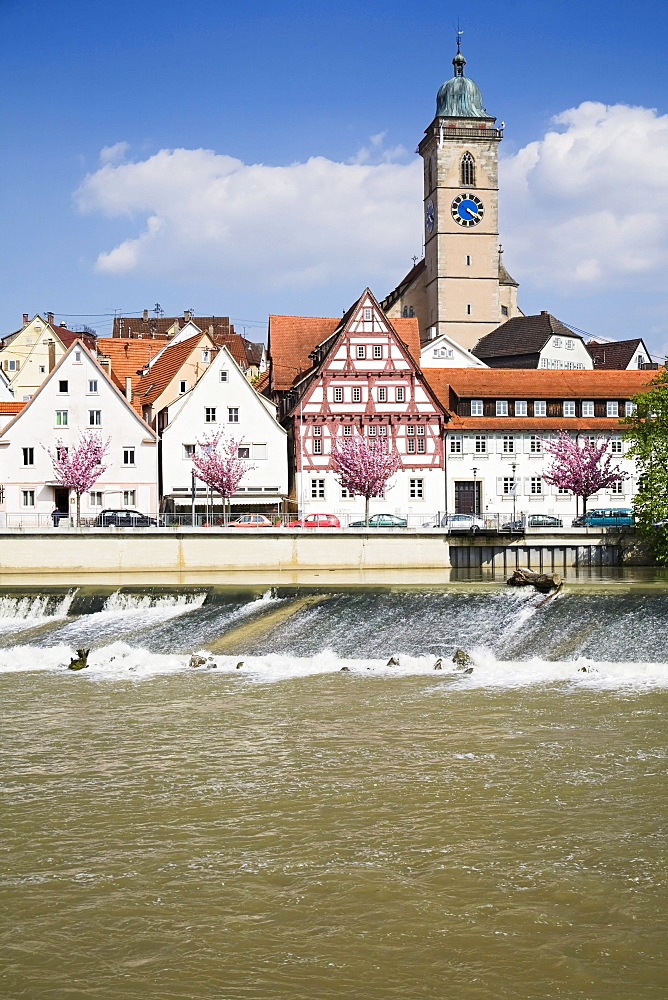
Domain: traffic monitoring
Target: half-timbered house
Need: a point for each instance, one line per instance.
(356, 375)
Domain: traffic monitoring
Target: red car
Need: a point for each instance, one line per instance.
(316, 521)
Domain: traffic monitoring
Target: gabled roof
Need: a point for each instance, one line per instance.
(532, 383)
(522, 335)
(157, 326)
(127, 357)
(615, 355)
(293, 338)
(166, 367)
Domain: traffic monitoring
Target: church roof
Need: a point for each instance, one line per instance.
(460, 97)
(505, 278)
(521, 335)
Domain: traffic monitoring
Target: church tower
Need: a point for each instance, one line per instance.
(468, 292)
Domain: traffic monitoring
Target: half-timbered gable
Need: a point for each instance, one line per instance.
(365, 380)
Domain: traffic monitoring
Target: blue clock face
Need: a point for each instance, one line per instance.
(467, 210)
(429, 216)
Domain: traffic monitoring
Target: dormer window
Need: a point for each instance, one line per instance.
(557, 342)
(476, 407)
(612, 409)
(569, 408)
(570, 345)
(468, 170)
(502, 407)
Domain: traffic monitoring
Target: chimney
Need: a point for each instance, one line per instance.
(25, 319)
(105, 364)
(49, 318)
(63, 324)
(128, 388)
(145, 316)
(52, 354)
(544, 312)
(187, 315)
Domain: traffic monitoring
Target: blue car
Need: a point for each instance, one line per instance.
(607, 517)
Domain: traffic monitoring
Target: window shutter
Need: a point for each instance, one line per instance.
(526, 438)
(527, 486)
(499, 485)
(18, 365)
(467, 444)
(499, 444)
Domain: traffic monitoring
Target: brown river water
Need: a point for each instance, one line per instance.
(289, 830)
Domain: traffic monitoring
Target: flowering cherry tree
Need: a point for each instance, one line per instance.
(216, 462)
(583, 468)
(364, 466)
(80, 467)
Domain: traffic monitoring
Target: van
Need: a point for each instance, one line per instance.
(608, 517)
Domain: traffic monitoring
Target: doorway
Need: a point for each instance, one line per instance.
(468, 497)
(61, 499)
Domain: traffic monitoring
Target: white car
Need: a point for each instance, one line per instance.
(457, 522)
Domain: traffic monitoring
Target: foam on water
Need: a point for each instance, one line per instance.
(21, 612)
(122, 661)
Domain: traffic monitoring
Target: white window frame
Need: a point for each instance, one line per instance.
(62, 418)
(28, 452)
(95, 498)
(338, 394)
(27, 498)
(400, 394)
(477, 408)
(588, 408)
(612, 408)
(210, 415)
(502, 407)
(382, 394)
(95, 418)
(520, 407)
(129, 498)
(377, 352)
(480, 444)
(129, 457)
(416, 489)
(539, 408)
(456, 444)
(356, 394)
(317, 489)
(569, 408)
(361, 352)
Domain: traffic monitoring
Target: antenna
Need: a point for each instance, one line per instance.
(158, 310)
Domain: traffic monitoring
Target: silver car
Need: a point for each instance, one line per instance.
(457, 522)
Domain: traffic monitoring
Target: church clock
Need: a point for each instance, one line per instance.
(467, 210)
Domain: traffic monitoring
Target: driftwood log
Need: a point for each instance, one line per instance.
(544, 582)
(80, 662)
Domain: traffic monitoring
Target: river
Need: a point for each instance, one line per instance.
(270, 826)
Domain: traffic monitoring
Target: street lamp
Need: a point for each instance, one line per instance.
(475, 492)
(513, 467)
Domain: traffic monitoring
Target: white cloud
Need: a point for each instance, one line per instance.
(585, 208)
(115, 153)
(205, 215)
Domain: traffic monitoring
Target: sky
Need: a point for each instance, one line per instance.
(244, 160)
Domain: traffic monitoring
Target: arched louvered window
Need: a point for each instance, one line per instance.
(468, 170)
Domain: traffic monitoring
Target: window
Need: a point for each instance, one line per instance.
(416, 489)
(377, 351)
(129, 498)
(338, 395)
(469, 309)
(62, 452)
(520, 407)
(616, 445)
(346, 494)
(382, 430)
(361, 351)
(183, 386)
(347, 430)
(420, 430)
(410, 445)
(421, 445)
(209, 414)
(317, 431)
(629, 408)
(128, 456)
(410, 430)
(243, 451)
(562, 491)
(317, 446)
(371, 430)
(77, 356)
(536, 486)
(188, 450)
(63, 385)
(569, 408)
(357, 394)
(588, 408)
(504, 310)
(641, 360)
(455, 444)
(570, 345)
(367, 313)
(468, 260)
(401, 394)
(612, 409)
(539, 408)
(508, 443)
(95, 418)
(95, 498)
(476, 407)
(557, 342)
(468, 170)
(502, 407)
(507, 485)
(42, 369)
(92, 385)
(617, 488)
(382, 394)
(480, 443)
(233, 414)
(535, 445)
(317, 489)
(206, 357)
(259, 452)
(61, 418)
(28, 456)
(28, 498)
(223, 375)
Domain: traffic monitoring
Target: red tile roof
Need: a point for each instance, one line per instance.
(292, 338)
(533, 423)
(160, 374)
(529, 383)
(127, 357)
(12, 406)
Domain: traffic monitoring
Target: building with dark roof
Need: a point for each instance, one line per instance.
(540, 341)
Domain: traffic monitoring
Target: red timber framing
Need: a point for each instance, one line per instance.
(365, 381)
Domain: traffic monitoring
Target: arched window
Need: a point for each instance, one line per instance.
(468, 170)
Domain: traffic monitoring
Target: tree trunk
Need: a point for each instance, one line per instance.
(366, 511)
(78, 510)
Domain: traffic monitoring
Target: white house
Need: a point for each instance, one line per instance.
(224, 400)
(76, 397)
(444, 352)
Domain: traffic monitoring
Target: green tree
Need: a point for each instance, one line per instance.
(647, 433)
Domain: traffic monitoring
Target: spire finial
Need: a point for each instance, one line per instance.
(459, 62)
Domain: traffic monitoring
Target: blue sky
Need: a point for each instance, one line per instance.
(294, 182)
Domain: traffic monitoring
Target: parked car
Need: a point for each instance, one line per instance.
(381, 521)
(533, 521)
(316, 521)
(606, 517)
(251, 521)
(457, 522)
(120, 517)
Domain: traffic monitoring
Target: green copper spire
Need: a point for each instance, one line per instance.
(460, 97)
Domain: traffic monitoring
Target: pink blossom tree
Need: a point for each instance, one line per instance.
(78, 468)
(583, 468)
(364, 466)
(217, 463)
